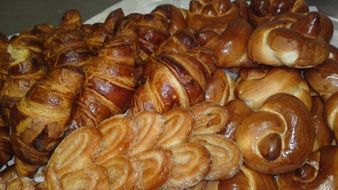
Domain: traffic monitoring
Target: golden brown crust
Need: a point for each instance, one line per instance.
(279, 137)
(331, 110)
(290, 43)
(109, 83)
(209, 118)
(38, 121)
(254, 86)
(324, 77)
(248, 179)
(176, 80)
(190, 165)
(319, 172)
(6, 152)
(220, 88)
(262, 11)
(22, 183)
(214, 15)
(224, 153)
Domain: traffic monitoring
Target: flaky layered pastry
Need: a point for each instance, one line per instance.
(279, 137)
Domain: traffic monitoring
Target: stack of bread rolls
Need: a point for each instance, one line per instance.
(222, 95)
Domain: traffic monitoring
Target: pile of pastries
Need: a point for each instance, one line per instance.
(222, 95)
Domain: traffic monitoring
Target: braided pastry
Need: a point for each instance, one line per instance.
(262, 11)
(5, 144)
(109, 83)
(224, 153)
(209, 118)
(177, 79)
(220, 88)
(324, 77)
(211, 14)
(66, 45)
(230, 46)
(39, 119)
(331, 110)
(318, 172)
(254, 86)
(284, 42)
(279, 137)
(26, 65)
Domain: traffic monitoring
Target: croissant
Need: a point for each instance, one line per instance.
(324, 77)
(318, 172)
(285, 42)
(25, 65)
(109, 83)
(177, 79)
(279, 137)
(65, 45)
(254, 86)
(213, 15)
(331, 110)
(38, 120)
(262, 11)
(5, 143)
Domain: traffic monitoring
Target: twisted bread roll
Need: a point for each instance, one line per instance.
(319, 172)
(220, 88)
(324, 78)
(26, 65)
(209, 118)
(109, 83)
(247, 178)
(289, 43)
(230, 46)
(214, 15)
(262, 11)
(177, 128)
(324, 135)
(100, 31)
(255, 86)
(177, 79)
(65, 45)
(331, 108)
(190, 165)
(225, 155)
(6, 152)
(38, 121)
(238, 111)
(279, 137)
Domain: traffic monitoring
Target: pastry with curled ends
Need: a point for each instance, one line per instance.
(262, 11)
(279, 137)
(331, 108)
(254, 86)
(288, 43)
(230, 46)
(191, 164)
(72, 160)
(211, 14)
(324, 77)
(38, 121)
(65, 45)
(210, 118)
(109, 83)
(318, 172)
(220, 88)
(177, 127)
(176, 80)
(225, 155)
(25, 65)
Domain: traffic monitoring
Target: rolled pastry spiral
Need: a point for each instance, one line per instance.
(290, 43)
(38, 121)
(254, 86)
(176, 79)
(279, 137)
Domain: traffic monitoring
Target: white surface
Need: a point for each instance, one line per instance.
(136, 6)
